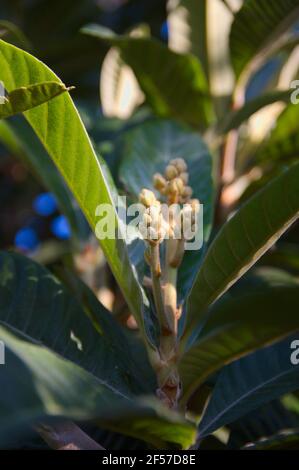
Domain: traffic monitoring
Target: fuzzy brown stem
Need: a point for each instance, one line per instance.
(168, 377)
(156, 286)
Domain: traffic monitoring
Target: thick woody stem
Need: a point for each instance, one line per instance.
(166, 311)
(169, 380)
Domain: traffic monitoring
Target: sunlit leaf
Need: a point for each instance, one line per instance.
(61, 131)
(243, 240)
(28, 97)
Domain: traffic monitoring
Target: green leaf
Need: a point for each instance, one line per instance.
(236, 118)
(60, 129)
(257, 25)
(285, 440)
(261, 423)
(35, 302)
(283, 142)
(13, 34)
(179, 89)
(243, 240)
(147, 150)
(18, 137)
(40, 385)
(24, 98)
(249, 383)
(238, 325)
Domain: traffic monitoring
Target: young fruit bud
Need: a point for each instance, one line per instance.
(172, 187)
(180, 185)
(159, 182)
(187, 193)
(184, 177)
(180, 164)
(147, 197)
(195, 204)
(171, 172)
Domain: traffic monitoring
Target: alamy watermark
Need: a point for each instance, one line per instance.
(2, 353)
(129, 223)
(2, 93)
(295, 93)
(295, 354)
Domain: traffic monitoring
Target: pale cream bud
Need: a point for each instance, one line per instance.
(180, 185)
(159, 182)
(147, 197)
(195, 204)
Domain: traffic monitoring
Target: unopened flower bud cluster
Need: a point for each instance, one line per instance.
(153, 227)
(174, 187)
(174, 183)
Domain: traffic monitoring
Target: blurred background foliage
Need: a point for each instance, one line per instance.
(50, 227)
(50, 30)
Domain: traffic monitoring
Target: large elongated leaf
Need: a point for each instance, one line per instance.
(146, 151)
(179, 89)
(257, 24)
(18, 137)
(60, 129)
(35, 302)
(283, 142)
(38, 385)
(243, 240)
(238, 325)
(28, 97)
(250, 382)
(261, 424)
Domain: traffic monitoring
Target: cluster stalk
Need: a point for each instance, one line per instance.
(163, 283)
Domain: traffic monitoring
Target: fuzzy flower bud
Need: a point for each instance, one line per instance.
(195, 204)
(171, 172)
(159, 182)
(184, 177)
(147, 197)
(153, 227)
(180, 164)
(187, 193)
